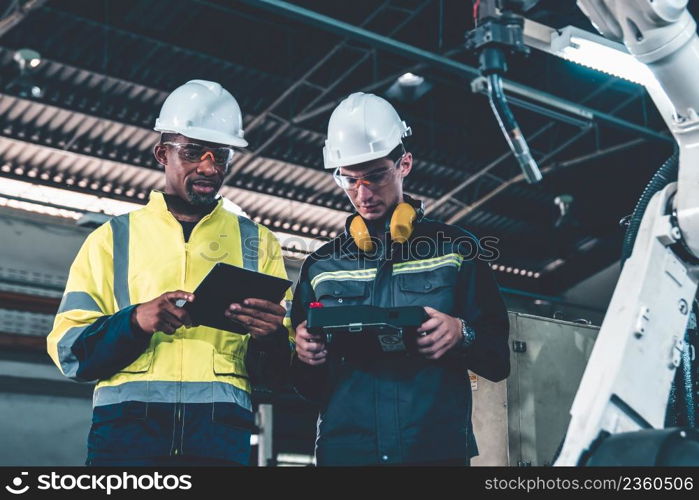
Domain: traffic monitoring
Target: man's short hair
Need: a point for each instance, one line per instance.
(396, 153)
(168, 137)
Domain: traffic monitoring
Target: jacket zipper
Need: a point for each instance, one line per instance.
(386, 259)
(178, 429)
(178, 426)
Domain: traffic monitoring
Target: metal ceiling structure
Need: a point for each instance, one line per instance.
(108, 65)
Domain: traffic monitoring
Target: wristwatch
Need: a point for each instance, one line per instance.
(469, 334)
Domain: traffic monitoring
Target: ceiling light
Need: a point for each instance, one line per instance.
(410, 79)
(27, 58)
(25, 84)
(408, 87)
(588, 49)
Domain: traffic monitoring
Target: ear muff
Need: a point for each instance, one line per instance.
(402, 225)
(402, 221)
(360, 234)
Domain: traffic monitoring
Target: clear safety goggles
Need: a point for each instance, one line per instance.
(191, 152)
(372, 180)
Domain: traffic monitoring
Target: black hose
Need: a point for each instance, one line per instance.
(508, 124)
(681, 405)
(498, 102)
(666, 174)
(688, 383)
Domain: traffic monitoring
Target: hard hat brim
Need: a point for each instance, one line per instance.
(207, 135)
(331, 164)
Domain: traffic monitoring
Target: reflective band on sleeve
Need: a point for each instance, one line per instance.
(69, 362)
(82, 301)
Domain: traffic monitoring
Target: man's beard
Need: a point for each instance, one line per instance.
(200, 200)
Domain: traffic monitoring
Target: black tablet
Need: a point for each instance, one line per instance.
(363, 331)
(226, 284)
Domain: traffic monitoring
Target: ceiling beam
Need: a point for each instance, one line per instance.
(19, 14)
(455, 67)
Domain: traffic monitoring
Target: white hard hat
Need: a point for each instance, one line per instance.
(362, 128)
(202, 110)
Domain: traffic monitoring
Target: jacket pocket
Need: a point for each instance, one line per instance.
(434, 288)
(124, 429)
(342, 293)
(228, 365)
(141, 364)
(232, 415)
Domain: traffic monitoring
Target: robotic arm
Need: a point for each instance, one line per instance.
(628, 378)
(499, 30)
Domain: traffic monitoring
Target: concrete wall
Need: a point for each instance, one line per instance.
(45, 417)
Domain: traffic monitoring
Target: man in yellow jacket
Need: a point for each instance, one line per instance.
(170, 393)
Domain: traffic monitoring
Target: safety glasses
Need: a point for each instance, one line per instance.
(373, 180)
(191, 152)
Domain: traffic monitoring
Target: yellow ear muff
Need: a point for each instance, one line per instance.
(402, 221)
(361, 235)
(401, 227)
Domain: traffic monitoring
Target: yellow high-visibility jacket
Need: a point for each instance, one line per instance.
(186, 393)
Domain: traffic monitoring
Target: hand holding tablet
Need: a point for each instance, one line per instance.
(225, 285)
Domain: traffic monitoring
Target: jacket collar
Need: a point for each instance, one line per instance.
(156, 203)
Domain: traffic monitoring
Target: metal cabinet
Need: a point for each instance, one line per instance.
(522, 420)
